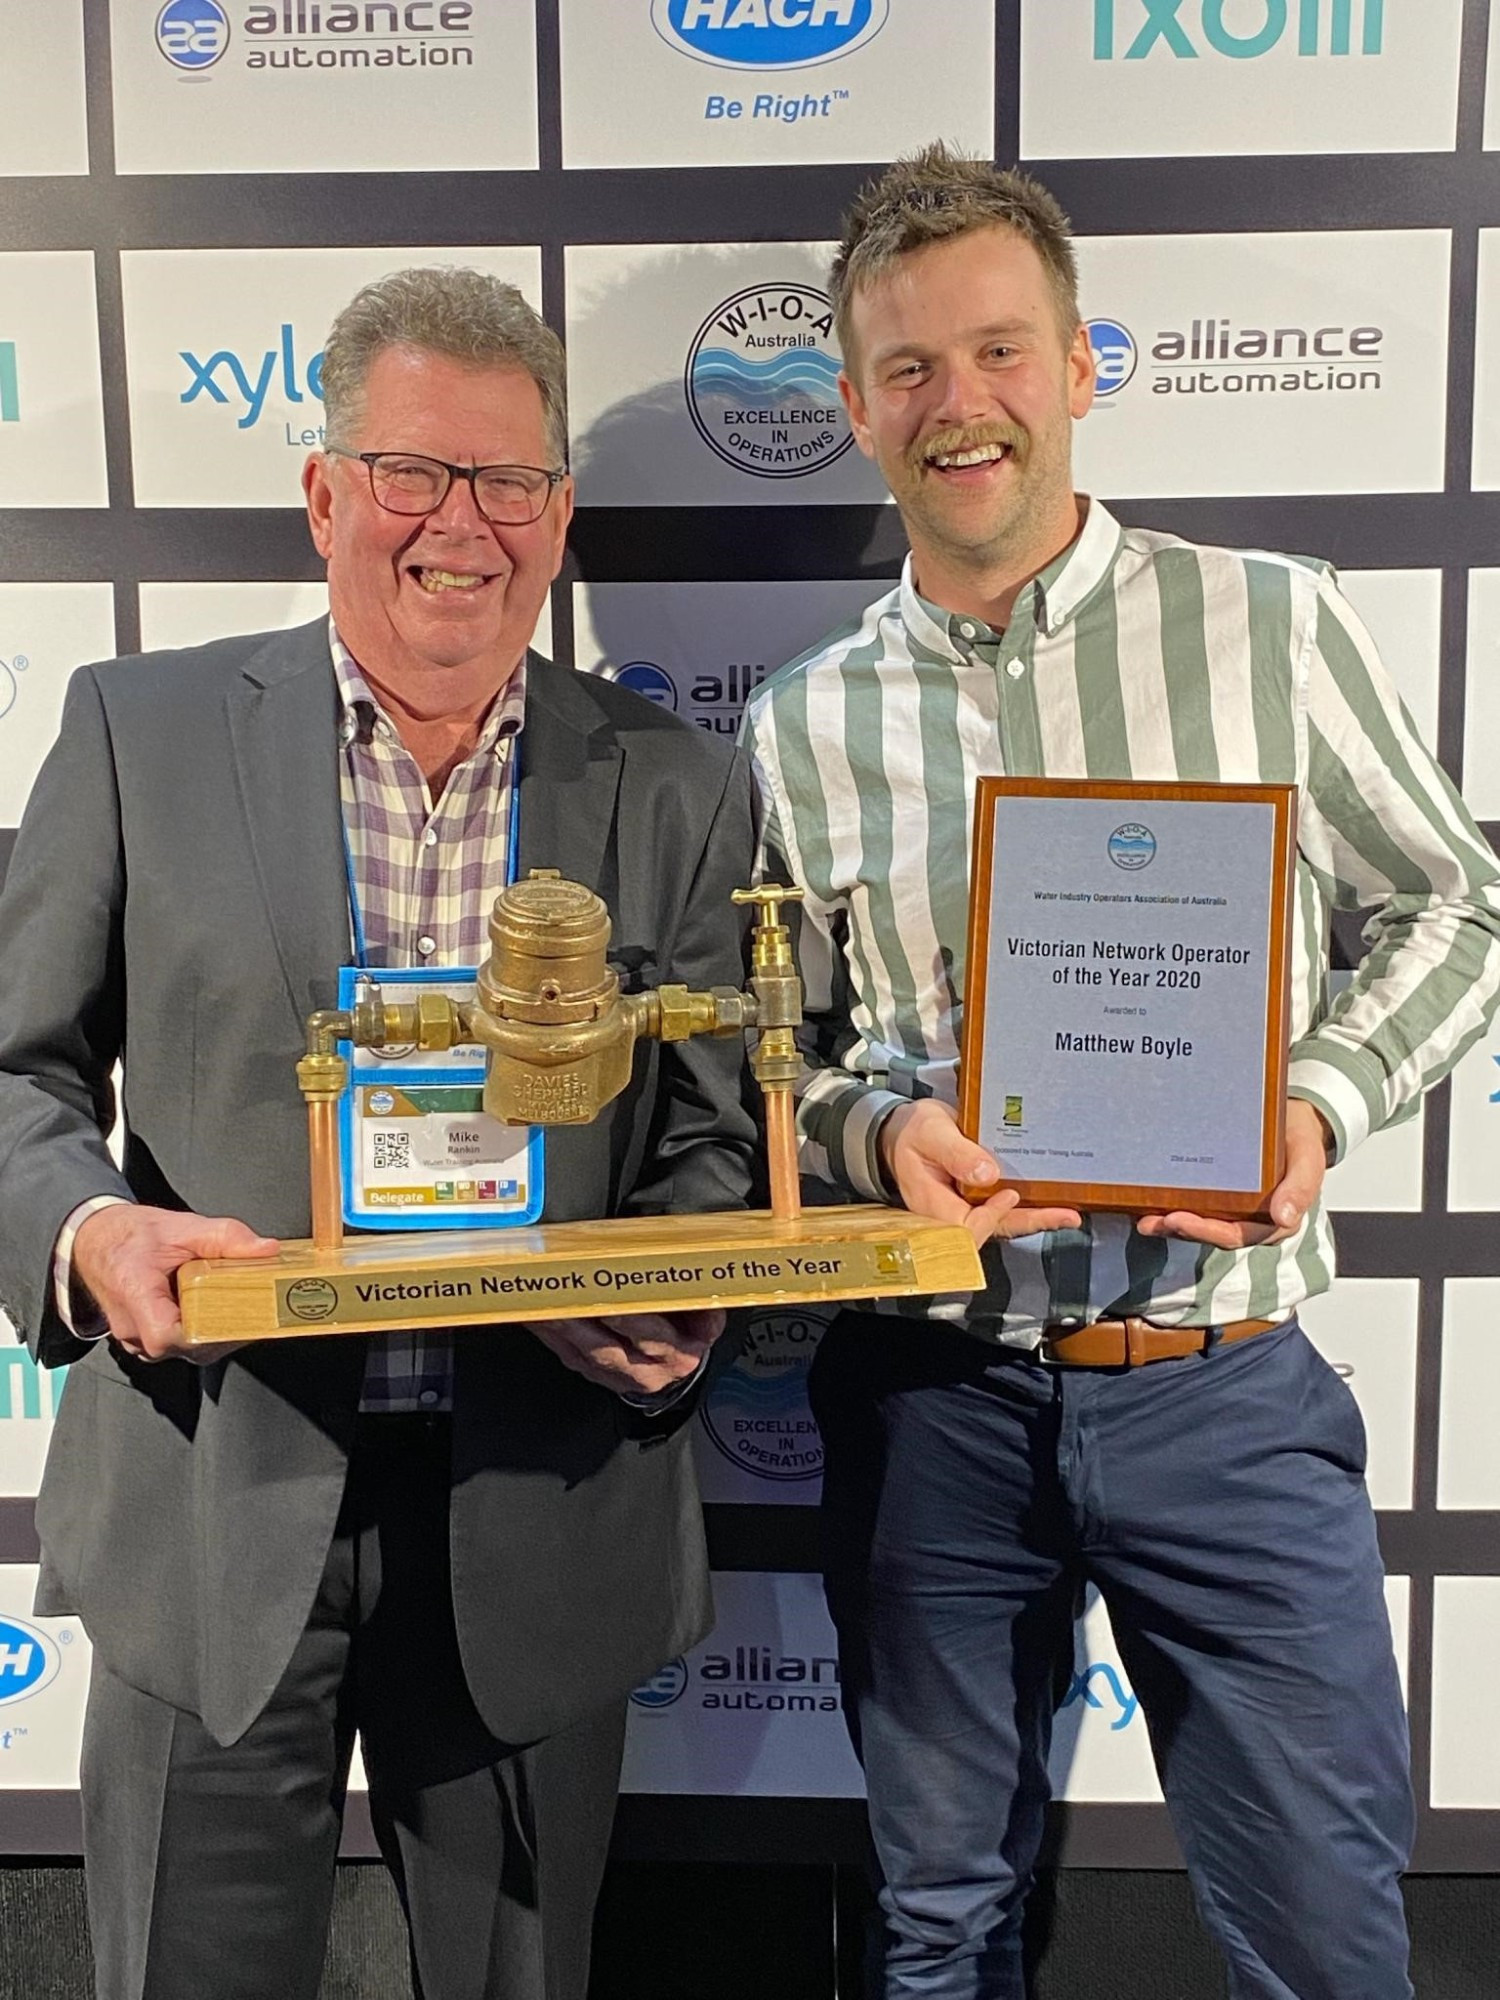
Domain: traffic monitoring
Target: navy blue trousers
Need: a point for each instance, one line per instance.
(1218, 1503)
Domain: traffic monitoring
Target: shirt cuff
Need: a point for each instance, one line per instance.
(76, 1305)
(1345, 1084)
(661, 1400)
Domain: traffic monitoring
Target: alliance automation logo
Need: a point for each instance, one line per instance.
(1318, 27)
(756, 1413)
(1115, 354)
(646, 678)
(762, 382)
(664, 1688)
(10, 388)
(768, 34)
(192, 34)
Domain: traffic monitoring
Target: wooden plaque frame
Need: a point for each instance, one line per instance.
(1139, 1197)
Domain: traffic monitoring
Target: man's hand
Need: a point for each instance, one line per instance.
(126, 1255)
(637, 1354)
(1307, 1141)
(938, 1172)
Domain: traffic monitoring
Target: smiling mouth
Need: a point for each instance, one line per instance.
(961, 461)
(435, 581)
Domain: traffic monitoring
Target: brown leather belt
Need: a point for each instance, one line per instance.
(1131, 1343)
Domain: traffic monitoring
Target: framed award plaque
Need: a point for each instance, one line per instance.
(1125, 1027)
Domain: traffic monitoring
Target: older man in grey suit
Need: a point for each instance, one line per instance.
(467, 1547)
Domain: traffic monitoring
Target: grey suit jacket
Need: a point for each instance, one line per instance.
(176, 898)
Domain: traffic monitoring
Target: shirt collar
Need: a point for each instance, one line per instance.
(360, 708)
(1056, 593)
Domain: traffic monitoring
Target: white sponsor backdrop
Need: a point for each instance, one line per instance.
(1271, 363)
(1130, 79)
(754, 1711)
(51, 398)
(42, 122)
(224, 349)
(44, 1681)
(1474, 1129)
(1482, 695)
(715, 83)
(1465, 1748)
(1468, 1461)
(310, 86)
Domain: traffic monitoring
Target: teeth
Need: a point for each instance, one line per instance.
(984, 455)
(447, 579)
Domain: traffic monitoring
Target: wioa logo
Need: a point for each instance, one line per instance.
(768, 34)
(756, 1413)
(1115, 354)
(762, 382)
(1132, 845)
(192, 34)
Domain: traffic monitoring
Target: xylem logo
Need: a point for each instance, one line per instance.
(1495, 1096)
(192, 34)
(1082, 1689)
(1115, 355)
(28, 1660)
(10, 390)
(1321, 27)
(768, 34)
(251, 385)
(654, 682)
(664, 1687)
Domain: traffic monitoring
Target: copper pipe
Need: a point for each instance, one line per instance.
(323, 1156)
(781, 1154)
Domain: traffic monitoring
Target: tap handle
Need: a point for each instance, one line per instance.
(768, 899)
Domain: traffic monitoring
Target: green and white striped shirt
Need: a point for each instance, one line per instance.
(1133, 655)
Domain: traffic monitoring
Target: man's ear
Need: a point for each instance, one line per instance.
(854, 403)
(318, 489)
(1081, 374)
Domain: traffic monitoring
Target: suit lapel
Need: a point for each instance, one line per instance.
(570, 777)
(283, 722)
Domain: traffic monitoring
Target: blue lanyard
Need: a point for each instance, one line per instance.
(512, 854)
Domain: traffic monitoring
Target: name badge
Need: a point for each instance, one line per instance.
(419, 1149)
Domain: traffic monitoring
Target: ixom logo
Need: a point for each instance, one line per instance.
(192, 34)
(768, 34)
(1320, 27)
(29, 1660)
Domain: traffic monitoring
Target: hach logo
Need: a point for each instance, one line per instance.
(192, 34)
(279, 360)
(663, 1688)
(8, 690)
(1161, 23)
(10, 392)
(756, 1414)
(1494, 1099)
(768, 34)
(28, 1660)
(762, 382)
(1132, 846)
(654, 682)
(1115, 354)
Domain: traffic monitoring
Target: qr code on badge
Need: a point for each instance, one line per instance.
(391, 1152)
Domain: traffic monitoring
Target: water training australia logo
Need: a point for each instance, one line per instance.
(762, 382)
(756, 1414)
(192, 34)
(1132, 846)
(29, 1660)
(768, 34)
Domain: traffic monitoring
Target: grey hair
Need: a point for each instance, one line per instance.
(445, 309)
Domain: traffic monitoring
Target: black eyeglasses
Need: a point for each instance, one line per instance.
(404, 482)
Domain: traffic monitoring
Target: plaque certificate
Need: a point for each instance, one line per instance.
(1125, 1020)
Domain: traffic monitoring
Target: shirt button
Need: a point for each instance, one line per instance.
(1015, 668)
(429, 838)
(428, 1396)
(426, 945)
(969, 631)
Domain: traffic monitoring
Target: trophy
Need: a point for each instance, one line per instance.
(558, 1037)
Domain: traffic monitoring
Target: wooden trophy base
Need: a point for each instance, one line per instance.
(570, 1270)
